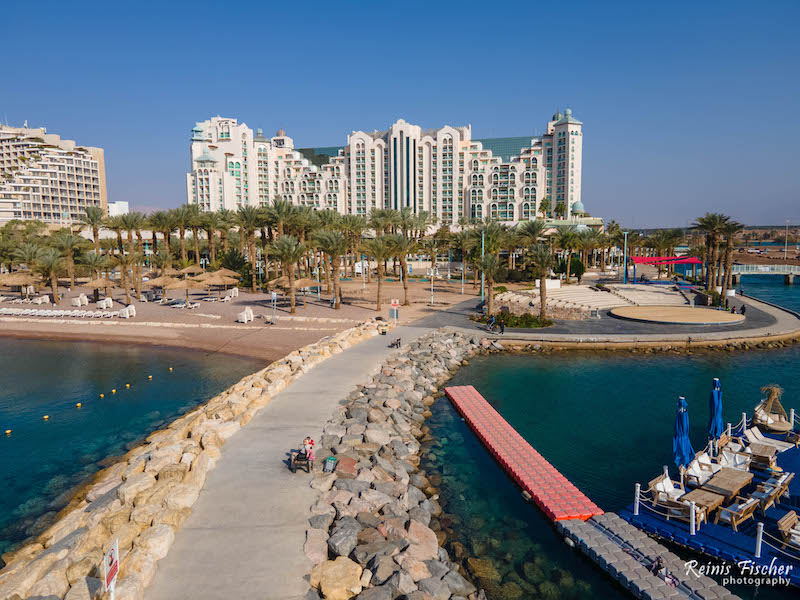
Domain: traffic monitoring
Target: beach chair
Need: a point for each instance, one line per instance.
(193, 305)
(76, 302)
(681, 510)
(754, 435)
(242, 317)
(738, 512)
(734, 460)
(700, 470)
(790, 530)
(249, 312)
(131, 311)
(123, 314)
(664, 489)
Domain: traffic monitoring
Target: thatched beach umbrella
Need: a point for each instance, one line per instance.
(280, 282)
(19, 278)
(204, 276)
(186, 284)
(220, 280)
(102, 282)
(227, 273)
(191, 270)
(162, 281)
(304, 283)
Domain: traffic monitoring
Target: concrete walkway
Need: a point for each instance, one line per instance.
(246, 533)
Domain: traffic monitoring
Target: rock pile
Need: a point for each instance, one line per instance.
(145, 498)
(375, 533)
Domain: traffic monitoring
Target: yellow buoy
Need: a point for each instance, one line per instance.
(78, 405)
(127, 385)
(8, 432)
(113, 391)
(46, 417)
(149, 376)
(102, 395)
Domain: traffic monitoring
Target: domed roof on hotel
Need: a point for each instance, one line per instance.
(281, 133)
(206, 157)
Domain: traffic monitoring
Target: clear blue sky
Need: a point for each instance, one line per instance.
(687, 106)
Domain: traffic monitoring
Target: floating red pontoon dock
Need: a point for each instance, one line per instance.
(549, 489)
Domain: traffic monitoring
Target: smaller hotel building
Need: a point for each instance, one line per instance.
(46, 178)
(442, 171)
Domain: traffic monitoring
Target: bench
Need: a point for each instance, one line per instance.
(790, 532)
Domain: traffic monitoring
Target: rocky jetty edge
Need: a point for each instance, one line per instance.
(375, 531)
(144, 499)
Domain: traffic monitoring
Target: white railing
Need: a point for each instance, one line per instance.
(766, 269)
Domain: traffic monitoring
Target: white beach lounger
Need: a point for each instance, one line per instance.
(754, 435)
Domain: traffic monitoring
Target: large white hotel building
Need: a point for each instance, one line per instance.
(442, 171)
(46, 178)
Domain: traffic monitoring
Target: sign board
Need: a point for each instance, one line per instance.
(111, 566)
(394, 314)
(395, 303)
(274, 295)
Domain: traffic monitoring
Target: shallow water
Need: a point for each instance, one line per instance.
(41, 462)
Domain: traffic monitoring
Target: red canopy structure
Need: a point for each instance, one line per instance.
(666, 260)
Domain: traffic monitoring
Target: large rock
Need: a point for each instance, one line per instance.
(423, 542)
(344, 537)
(316, 546)
(338, 579)
(416, 568)
(182, 496)
(401, 584)
(85, 588)
(211, 439)
(383, 592)
(156, 540)
(134, 485)
(174, 517)
(54, 582)
(458, 585)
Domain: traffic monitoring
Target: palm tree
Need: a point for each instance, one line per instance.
(380, 250)
(541, 260)
(288, 250)
(730, 230)
(67, 243)
(227, 218)
(27, 254)
(334, 245)
(381, 220)
(711, 225)
(492, 269)
(567, 240)
(531, 232)
(249, 219)
(160, 221)
(280, 213)
(93, 217)
(402, 246)
(181, 217)
(211, 222)
(353, 226)
(117, 225)
(49, 264)
(463, 241)
(96, 263)
(126, 262)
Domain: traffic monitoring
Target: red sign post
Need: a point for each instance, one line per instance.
(111, 567)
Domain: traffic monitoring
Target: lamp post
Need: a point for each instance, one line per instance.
(625, 256)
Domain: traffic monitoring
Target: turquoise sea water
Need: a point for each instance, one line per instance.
(605, 421)
(41, 462)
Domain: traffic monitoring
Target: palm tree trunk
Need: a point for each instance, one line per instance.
(196, 245)
(290, 273)
(71, 267)
(380, 281)
(96, 235)
(54, 287)
(326, 260)
(212, 245)
(337, 286)
(542, 298)
(489, 296)
(404, 266)
(184, 255)
(251, 246)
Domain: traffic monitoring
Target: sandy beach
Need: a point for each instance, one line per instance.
(212, 327)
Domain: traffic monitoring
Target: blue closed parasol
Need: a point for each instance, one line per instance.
(715, 425)
(682, 451)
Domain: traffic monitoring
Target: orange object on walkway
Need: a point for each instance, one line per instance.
(551, 491)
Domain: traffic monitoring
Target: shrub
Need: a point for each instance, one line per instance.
(526, 321)
(499, 289)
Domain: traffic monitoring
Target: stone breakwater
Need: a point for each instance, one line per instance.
(144, 499)
(376, 531)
